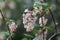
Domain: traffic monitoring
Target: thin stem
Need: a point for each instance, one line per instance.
(53, 20)
(42, 24)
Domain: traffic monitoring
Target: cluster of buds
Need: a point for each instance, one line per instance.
(29, 20)
(43, 21)
(12, 26)
(37, 7)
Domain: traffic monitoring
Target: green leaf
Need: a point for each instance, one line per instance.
(28, 35)
(35, 31)
(44, 4)
(5, 33)
(25, 39)
(36, 38)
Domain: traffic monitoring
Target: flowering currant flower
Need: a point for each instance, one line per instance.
(12, 26)
(42, 21)
(24, 19)
(29, 20)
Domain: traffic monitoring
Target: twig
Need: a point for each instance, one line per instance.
(52, 36)
(53, 20)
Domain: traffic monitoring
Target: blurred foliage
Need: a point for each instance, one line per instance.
(24, 39)
(36, 38)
